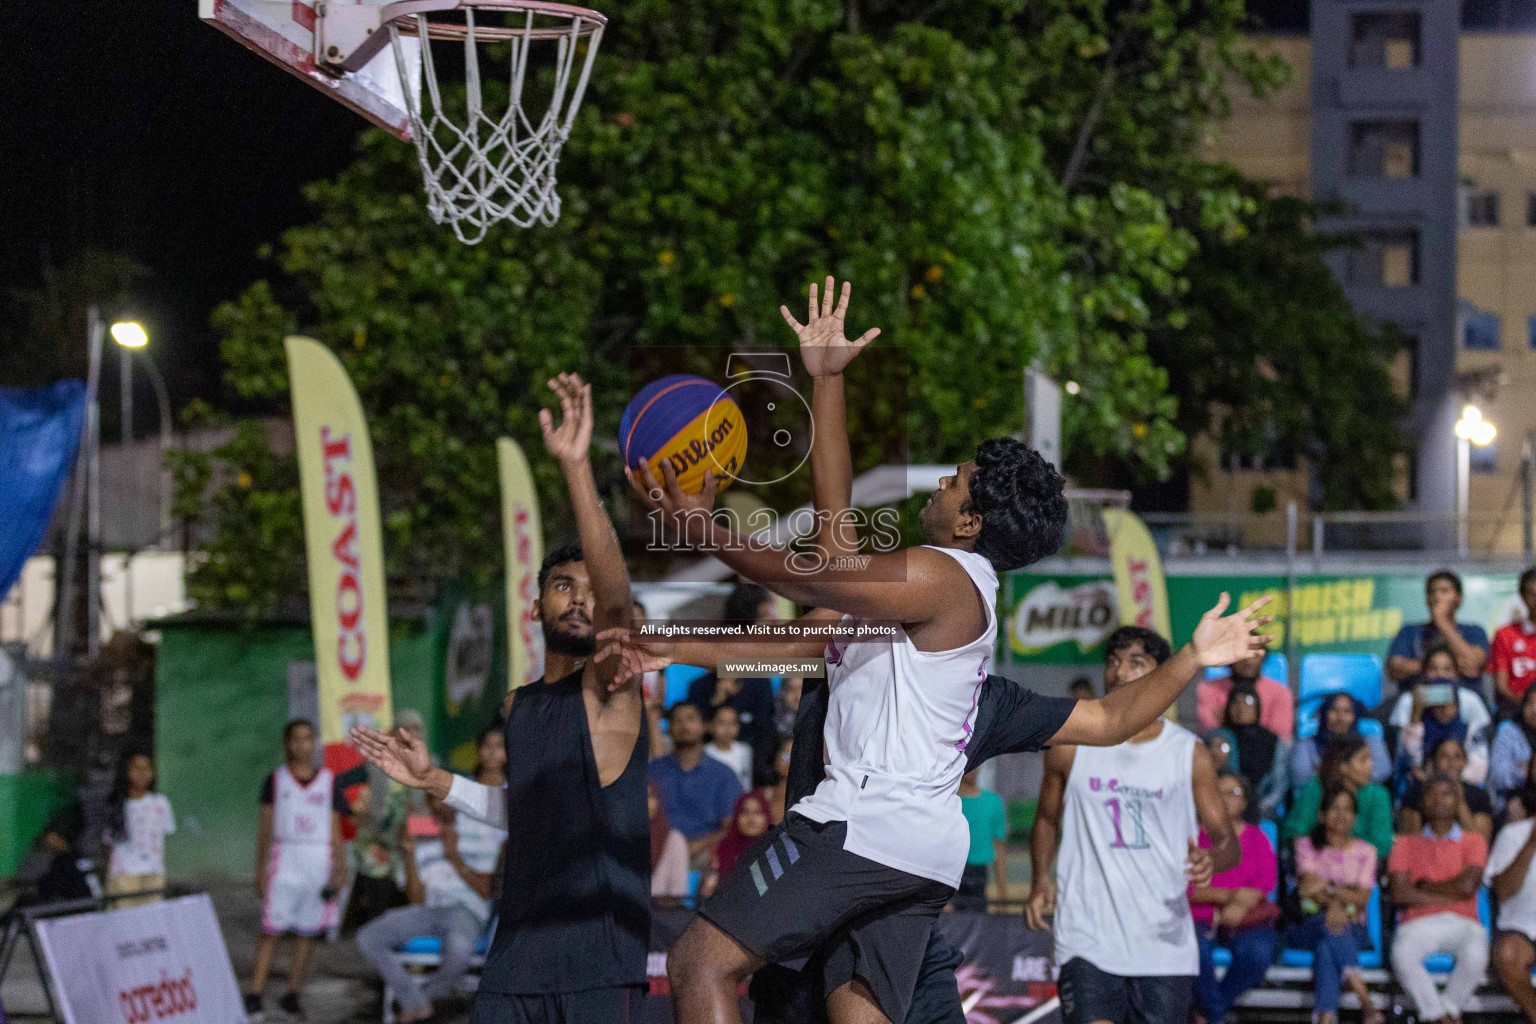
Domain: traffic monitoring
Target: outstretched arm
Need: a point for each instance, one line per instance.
(406, 759)
(1116, 717)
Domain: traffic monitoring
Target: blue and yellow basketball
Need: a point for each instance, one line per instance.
(687, 421)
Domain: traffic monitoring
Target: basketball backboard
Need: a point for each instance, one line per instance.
(283, 31)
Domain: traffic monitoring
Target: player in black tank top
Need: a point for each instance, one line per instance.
(573, 915)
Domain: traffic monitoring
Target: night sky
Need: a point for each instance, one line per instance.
(132, 126)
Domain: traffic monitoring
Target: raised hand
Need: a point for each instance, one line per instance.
(570, 441)
(823, 348)
(688, 513)
(399, 755)
(1225, 641)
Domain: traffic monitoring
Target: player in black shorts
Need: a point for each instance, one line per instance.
(574, 912)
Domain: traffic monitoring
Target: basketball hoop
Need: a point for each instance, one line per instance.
(491, 161)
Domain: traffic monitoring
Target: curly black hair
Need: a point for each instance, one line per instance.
(565, 554)
(1020, 499)
(1152, 643)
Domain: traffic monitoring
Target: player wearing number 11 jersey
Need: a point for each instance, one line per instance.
(1126, 818)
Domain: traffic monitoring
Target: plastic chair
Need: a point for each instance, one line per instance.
(1275, 667)
(678, 678)
(1358, 675)
(1307, 716)
(1445, 963)
(1369, 959)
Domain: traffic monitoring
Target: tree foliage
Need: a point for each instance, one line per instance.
(1006, 184)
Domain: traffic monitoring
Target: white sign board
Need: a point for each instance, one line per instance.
(1042, 404)
(141, 965)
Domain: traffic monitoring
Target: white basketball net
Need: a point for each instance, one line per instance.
(484, 165)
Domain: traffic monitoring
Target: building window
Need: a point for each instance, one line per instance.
(1412, 348)
(1530, 209)
(1386, 259)
(1385, 40)
(1384, 149)
(1530, 331)
(1484, 458)
(1479, 330)
(1479, 208)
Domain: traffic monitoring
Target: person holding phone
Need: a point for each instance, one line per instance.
(1435, 709)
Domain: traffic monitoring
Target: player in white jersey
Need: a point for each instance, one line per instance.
(1126, 819)
(299, 864)
(882, 837)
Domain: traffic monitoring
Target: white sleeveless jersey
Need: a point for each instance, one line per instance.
(301, 814)
(897, 723)
(1128, 816)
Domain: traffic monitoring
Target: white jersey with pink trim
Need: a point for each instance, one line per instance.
(301, 813)
(897, 723)
(299, 866)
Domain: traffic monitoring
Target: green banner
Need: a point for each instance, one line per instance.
(1063, 620)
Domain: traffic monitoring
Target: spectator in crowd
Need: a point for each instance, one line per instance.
(1277, 703)
(988, 820)
(300, 868)
(669, 850)
(1434, 876)
(1513, 658)
(1467, 643)
(775, 794)
(1514, 883)
(1346, 765)
(1081, 688)
(1234, 909)
(1520, 799)
(724, 728)
(1335, 875)
(1474, 808)
(450, 866)
(1339, 716)
(752, 698)
(786, 704)
(1435, 709)
(55, 869)
(1512, 746)
(1256, 753)
(138, 820)
(698, 792)
(749, 820)
(1223, 753)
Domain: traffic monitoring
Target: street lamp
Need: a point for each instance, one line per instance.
(1470, 429)
(132, 338)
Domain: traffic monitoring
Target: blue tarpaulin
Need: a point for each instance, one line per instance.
(39, 433)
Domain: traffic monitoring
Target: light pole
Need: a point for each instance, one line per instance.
(133, 338)
(1470, 429)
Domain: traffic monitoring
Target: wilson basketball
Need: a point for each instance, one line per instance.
(689, 422)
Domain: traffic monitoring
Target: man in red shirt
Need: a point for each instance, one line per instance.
(1513, 657)
(1435, 875)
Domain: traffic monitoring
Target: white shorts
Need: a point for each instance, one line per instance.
(296, 873)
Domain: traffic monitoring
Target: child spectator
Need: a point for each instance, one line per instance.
(1513, 658)
(1437, 708)
(1275, 697)
(1474, 809)
(138, 820)
(988, 821)
(748, 822)
(1336, 873)
(1260, 755)
(724, 727)
(1514, 883)
(1347, 765)
(299, 864)
(1234, 908)
(450, 866)
(1435, 875)
(1339, 716)
(1512, 746)
(669, 850)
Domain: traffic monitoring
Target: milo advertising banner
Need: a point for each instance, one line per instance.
(1063, 620)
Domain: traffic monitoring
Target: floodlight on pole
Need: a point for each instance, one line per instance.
(1470, 429)
(130, 334)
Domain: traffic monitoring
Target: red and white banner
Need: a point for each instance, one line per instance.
(162, 962)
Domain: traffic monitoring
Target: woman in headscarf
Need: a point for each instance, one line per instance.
(1512, 747)
(669, 850)
(1259, 754)
(1339, 716)
(750, 820)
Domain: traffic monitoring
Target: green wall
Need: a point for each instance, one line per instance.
(221, 699)
(27, 801)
